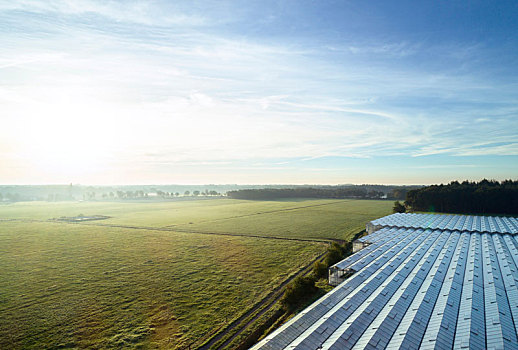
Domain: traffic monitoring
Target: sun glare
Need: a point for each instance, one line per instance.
(69, 139)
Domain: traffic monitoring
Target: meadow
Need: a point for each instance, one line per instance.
(83, 285)
(318, 219)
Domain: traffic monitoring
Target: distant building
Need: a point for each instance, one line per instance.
(418, 281)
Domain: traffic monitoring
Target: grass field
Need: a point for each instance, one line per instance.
(79, 285)
(295, 219)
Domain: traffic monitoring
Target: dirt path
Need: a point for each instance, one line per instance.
(266, 303)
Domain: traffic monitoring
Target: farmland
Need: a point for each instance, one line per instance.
(321, 219)
(153, 275)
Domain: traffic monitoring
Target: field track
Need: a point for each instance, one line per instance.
(266, 304)
(169, 229)
(271, 211)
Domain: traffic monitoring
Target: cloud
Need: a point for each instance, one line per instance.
(140, 12)
(394, 50)
(166, 93)
(446, 166)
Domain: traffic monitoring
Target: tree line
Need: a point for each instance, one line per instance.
(352, 191)
(484, 197)
(15, 193)
(275, 193)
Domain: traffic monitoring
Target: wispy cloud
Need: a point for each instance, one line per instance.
(155, 84)
(446, 166)
(140, 12)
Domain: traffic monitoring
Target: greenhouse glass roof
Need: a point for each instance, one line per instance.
(492, 224)
(427, 287)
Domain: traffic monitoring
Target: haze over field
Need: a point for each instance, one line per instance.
(330, 92)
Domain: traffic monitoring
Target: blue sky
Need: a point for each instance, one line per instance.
(396, 92)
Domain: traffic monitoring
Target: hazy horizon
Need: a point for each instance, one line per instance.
(208, 184)
(257, 92)
(243, 184)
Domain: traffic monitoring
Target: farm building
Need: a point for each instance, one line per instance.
(421, 281)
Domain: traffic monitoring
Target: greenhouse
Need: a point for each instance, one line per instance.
(421, 281)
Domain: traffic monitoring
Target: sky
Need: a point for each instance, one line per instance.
(257, 92)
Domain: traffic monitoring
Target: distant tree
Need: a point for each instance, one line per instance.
(398, 193)
(375, 194)
(196, 193)
(398, 207)
(176, 194)
(299, 289)
(186, 193)
(335, 253)
(320, 270)
(112, 195)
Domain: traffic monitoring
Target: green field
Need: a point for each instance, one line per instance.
(319, 219)
(69, 285)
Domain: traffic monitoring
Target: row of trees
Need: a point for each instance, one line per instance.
(484, 197)
(13, 193)
(159, 193)
(139, 194)
(305, 192)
